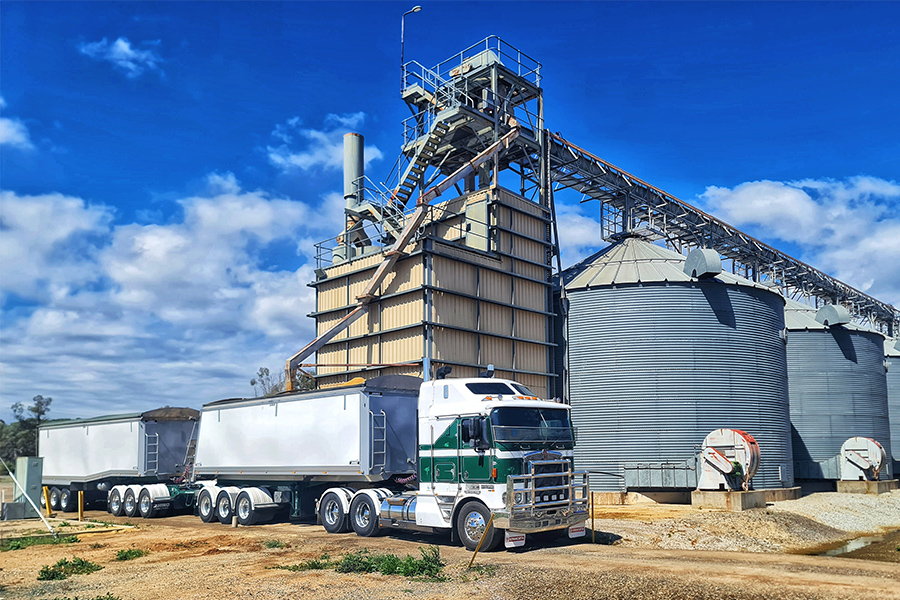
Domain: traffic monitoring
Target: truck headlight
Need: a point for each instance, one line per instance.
(518, 497)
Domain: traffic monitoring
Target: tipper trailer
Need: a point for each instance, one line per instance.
(451, 455)
(94, 455)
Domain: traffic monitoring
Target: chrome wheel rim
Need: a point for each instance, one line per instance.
(331, 512)
(474, 526)
(145, 505)
(129, 503)
(224, 507)
(243, 508)
(205, 505)
(362, 515)
(115, 503)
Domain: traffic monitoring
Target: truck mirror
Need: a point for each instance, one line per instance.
(482, 440)
(467, 430)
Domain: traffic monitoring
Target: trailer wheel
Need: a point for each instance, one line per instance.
(246, 514)
(129, 504)
(331, 511)
(67, 501)
(470, 527)
(223, 508)
(54, 498)
(364, 516)
(43, 500)
(145, 506)
(206, 507)
(114, 506)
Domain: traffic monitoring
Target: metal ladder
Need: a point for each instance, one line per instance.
(152, 453)
(412, 177)
(379, 440)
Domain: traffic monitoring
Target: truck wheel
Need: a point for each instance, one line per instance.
(364, 516)
(43, 500)
(243, 508)
(129, 504)
(145, 506)
(54, 498)
(331, 511)
(223, 508)
(114, 506)
(470, 526)
(206, 507)
(67, 500)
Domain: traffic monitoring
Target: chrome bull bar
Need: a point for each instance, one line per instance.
(533, 507)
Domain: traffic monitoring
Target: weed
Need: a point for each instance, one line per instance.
(430, 566)
(20, 543)
(315, 564)
(90, 526)
(65, 567)
(484, 570)
(64, 524)
(97, 545)
(131, 554)
(274, 544)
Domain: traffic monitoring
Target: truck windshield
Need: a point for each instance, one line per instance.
(530, 425)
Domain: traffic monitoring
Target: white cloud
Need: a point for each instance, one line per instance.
(579, 234)
(850, 228)
(46, 246)
(13, 132)
(134, 316)
(123, 56)
(321, 148)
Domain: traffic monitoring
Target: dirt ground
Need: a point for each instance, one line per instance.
(190, 559)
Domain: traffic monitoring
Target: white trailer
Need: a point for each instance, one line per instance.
(93, 455)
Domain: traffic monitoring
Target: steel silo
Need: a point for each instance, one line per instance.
(659, 358)
(838, 389)
(892, 368)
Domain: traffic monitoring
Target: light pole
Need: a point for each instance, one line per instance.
(414, 9)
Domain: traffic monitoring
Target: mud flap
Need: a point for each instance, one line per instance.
(513, 540)
(576, 531)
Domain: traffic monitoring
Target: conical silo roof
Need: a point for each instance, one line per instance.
(799, 316)
(635, 260)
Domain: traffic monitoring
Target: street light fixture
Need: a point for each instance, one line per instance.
(414, 9)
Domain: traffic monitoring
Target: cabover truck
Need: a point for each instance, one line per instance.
(394, 452)
(95, 455)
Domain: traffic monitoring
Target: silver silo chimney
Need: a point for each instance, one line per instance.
(353, 169)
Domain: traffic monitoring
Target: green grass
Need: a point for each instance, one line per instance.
(25, 542)
(65, 567)
(131, 554)
(430, 567)
(314, 564)
(274, 544)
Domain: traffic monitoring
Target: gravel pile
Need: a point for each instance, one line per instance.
(853, 513)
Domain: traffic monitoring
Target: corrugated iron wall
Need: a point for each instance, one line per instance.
(460, 298)
(838, 390)
(656, 367)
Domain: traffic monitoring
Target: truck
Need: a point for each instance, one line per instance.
(482, 459)
(94, 455)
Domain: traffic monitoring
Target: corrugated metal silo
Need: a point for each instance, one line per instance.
(838, 390)
(658, 359)
(892, 361)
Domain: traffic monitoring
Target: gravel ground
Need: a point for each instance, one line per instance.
(655, 552)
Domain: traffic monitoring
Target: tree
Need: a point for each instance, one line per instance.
(265, 384)
(20, 438)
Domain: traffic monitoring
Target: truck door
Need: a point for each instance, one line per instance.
(476, 455)
(446, 457)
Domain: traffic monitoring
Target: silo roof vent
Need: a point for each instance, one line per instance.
(703, 262)
(833, 314)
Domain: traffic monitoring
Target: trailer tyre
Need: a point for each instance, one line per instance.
(114, 506)
(224, 510)
(129, 504)
(364, 516)
(332, 514)
(145, 506)
(68, 500)
(246, 514)
(54, 498)
(206, 507)
(470, 527)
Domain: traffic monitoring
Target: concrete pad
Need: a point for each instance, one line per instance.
(730, 501)
(867, 487)
(779, 494)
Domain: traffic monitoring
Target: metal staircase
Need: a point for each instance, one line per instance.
(152, 453)
(379, 441)
(415, 170)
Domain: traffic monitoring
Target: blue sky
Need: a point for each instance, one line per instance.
(166, 167)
